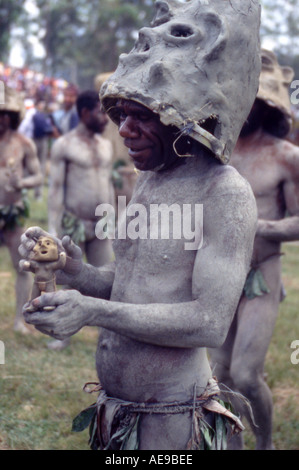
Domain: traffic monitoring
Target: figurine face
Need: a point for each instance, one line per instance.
(45, 250)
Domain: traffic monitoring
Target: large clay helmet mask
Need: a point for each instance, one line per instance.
(12, 102)
(273, 90)
(197, 67)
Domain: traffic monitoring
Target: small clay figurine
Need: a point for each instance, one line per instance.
(45, 259)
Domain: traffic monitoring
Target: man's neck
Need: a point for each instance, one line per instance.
(251, 139)
(84, 131)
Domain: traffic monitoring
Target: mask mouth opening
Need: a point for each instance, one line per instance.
(206, 131)
(212, 125)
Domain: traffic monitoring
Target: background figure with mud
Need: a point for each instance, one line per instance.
(160, 305)
(80, 180)
(271, 165)
(43, 130)
(19, 170)
(37, 126)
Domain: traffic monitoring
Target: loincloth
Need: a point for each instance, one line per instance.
(79, 230)
(14, 215)
(42, 285)
(255, 284)
(121, 429)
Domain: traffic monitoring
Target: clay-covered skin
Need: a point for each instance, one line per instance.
(159, 306)
(271, 165)
(19, 169)
(80, 181)
(19, 165)
(80, 175)
(166, 304)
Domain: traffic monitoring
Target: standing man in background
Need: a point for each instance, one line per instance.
(271, 165)
(66, 118)
(80, 180)
(19, 170)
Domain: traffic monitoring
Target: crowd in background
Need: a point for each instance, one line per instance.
(34, 85)
(50, 108)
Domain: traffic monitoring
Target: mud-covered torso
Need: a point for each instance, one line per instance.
(13, 147)
(264, 164)
(88, 174)
(155, 271)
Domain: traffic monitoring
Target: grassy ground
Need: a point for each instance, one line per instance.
(41, 390)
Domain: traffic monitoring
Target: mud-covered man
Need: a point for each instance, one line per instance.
(271, 165)
(19, 170)
(158, 305)
(80, 180)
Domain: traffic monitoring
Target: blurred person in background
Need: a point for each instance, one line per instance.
(271, 165)
(66, 118)
(19, 170)
(80, 180)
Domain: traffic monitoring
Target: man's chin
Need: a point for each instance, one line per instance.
(142, 159)
(98, 130)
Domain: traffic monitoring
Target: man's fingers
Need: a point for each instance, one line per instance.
(26, 246)
(71, 249)
(33, 233)
(45, 300)
(28, 240)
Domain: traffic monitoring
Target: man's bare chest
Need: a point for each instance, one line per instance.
(11, 154)
(262, 170)
(160, 231)
(87, 155)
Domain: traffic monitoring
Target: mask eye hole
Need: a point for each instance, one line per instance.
(181, 31)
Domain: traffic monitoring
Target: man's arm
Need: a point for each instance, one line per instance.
(286, 229)
(56, 186)
(92, 281)
(219, 274)
(31, 167)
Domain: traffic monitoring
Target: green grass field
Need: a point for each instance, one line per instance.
(41, 390)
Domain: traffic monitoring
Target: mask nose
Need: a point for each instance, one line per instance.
(145, 40)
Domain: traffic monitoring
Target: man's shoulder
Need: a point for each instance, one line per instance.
(226, 178)
(277, 145)
(23, 140)
(230, 201)
(230, 191)
(65, 139)
(103, 140)
(290, 148)
(284, 153)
